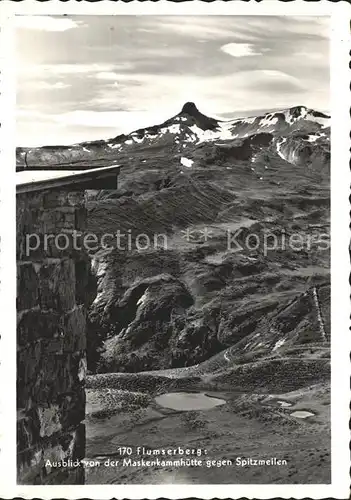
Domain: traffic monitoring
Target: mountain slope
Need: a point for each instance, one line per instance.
(191, 298)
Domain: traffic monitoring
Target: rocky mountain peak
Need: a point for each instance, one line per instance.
(190, 108)
(202, 121)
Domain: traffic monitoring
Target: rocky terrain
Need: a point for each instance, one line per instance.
(218, 281)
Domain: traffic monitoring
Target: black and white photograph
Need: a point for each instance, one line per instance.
(173, 243)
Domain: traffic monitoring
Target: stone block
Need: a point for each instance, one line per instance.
(54, 454)
(29, 466)
(57, 376)
(73, 408)
(23, 395)
(76, 198)
(65, 243)
(36, 246)
(27, 223)
(34, 324)
(27, 286)
(49, 420)
(28, 362)
(57, 284)
(78, 368)
(27, 431)
(74, 330)
(53, 221)
(55, 198)
(54, 346)
(65, 218)
(47, 221)
(80, 218)
(82, 369)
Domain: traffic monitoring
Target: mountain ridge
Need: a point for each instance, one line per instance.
(185, 130)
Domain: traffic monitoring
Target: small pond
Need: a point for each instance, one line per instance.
(302, 414)
(186, 401)
(284, 404)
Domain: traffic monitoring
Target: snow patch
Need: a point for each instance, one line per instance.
(279, 149)
(186, 162)
(129, 141)
(313, 138)
(247, 346)
(113, 146)
(142, 299)
(138, 140)
(211, 135)
(101, 269)
(279, 344)
(290, 119)
(319, 314)
(98, 297)
(268, 120)
(86, 149)
(302, 414)
(249, 120)
(284, 404)
(174, 129)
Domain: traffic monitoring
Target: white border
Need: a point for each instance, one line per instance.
(340, 181)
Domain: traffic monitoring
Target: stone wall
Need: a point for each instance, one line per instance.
(54, 289)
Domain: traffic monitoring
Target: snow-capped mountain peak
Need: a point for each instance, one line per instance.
(188, 129)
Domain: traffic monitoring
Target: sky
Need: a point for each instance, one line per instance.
(94, 77)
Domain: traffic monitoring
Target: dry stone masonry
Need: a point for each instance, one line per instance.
(54, 289)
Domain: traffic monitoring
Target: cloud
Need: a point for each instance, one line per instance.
(200, 27)
(239, 49)
(144, 92)
(65, 69)
(46, 23)
(275, 75)
(110, 75)
(120, 121)
(106, 75)
(42, 85)
(26, 113)
(126, 72)
(79, 125)
(311, 56)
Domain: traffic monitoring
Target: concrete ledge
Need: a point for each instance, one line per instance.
(94, 178)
